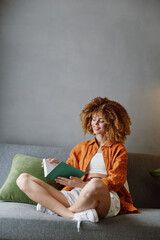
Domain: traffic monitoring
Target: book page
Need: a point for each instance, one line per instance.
(48, 167)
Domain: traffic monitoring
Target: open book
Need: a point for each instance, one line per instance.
(54, 170)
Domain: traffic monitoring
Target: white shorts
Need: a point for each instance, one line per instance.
(72, 197)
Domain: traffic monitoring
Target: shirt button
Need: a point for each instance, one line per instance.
(105, 156)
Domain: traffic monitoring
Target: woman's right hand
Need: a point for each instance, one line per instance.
(52, 160)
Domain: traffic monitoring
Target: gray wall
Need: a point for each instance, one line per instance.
(56, 55)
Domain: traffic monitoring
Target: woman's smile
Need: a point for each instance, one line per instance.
(98, 124)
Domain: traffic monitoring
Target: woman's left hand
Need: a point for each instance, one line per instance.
(70, 182)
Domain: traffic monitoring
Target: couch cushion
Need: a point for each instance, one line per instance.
(22, 221)
(22, 164)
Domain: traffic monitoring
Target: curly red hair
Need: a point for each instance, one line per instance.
(115, 116)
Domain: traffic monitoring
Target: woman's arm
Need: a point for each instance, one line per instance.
(117, 175)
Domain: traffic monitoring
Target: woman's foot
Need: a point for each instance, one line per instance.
(87, 215)
(42, 209)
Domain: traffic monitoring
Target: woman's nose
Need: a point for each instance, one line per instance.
(96, 122)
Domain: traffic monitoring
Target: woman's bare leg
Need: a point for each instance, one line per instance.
(96, 195)
(44, 194)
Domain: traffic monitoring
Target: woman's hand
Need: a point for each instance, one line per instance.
(71, 182)
(52, 160)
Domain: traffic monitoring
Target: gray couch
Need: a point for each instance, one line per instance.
(22, 221)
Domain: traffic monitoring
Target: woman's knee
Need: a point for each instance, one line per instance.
(96, 185)
(94, 188)
(23, 180)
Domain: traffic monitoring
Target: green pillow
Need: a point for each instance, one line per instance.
(156, 174)
(23, 164)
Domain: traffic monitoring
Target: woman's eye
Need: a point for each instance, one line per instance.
(101, 120)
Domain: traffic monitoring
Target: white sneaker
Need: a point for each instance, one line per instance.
(42, 209)
(87, 215)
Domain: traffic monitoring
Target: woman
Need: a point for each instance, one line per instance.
(101, 192)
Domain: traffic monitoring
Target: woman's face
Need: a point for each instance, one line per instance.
(98, 124)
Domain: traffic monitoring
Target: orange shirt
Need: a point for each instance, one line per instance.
(115, 159)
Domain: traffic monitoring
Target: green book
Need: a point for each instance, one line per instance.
(53, 170)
